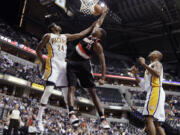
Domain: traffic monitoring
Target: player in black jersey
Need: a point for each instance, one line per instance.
(79, 67)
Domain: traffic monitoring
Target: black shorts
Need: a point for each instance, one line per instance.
(80, 70)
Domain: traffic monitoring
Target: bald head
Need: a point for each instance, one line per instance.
(155, 55)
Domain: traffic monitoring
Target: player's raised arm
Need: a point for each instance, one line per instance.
(101, 19)
(100, 53)
(71, 37)
(134, 71)
(155, 70)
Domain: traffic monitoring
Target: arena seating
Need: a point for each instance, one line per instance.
(115, 67)
(27, 72)
(14, 34)
(56, 120)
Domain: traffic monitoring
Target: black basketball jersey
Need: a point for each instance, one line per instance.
(85, 47)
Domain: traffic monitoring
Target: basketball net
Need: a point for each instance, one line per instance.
(87, 6)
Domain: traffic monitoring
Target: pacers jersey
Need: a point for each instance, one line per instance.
(155, 98)
(57, 47)
(85, 47)
(151, 80)
(55, 70)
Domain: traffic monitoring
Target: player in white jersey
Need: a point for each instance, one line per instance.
(155, 98)
(55, 65)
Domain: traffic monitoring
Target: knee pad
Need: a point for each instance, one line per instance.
(46, 94)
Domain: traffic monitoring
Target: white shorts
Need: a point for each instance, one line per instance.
(155, 102)
(56, 72)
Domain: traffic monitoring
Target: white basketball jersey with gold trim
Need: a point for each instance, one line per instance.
(55, 64)
(155, 98)
(59, 45)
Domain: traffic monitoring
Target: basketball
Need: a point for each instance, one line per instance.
(97, 10)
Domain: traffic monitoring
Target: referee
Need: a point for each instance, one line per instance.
(14, 119)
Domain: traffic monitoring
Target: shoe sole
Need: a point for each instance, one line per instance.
(75, 122)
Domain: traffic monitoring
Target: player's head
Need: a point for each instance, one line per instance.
(54, 28)
(155, 55)
(99, 33)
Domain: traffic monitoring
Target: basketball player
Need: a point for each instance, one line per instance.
(155, 99)
(79, 67)
(55, 65)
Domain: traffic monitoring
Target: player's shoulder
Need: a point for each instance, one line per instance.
(47, 35)
(99, 45)
(98, 48)
(157, 63)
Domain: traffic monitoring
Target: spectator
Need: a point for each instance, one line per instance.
(14, 120)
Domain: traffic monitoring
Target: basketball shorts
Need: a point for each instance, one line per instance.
(154, 105)
(82, 71)
(55, 72)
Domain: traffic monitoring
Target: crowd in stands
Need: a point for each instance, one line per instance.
(15, 35)
(26, 72)
(56, 121)
(174, 104)
(140, 95)
(114, 66)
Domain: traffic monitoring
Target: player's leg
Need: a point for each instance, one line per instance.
(159, 129)
(72, 82)
(87, 81)
(145, 129)
(43, 102)
(70, 99)
(61, 80)
(65, 94)
(150, 125)
(97, 103)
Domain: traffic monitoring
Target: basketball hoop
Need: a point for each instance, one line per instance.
(87, 6)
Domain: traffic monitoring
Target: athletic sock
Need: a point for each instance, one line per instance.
(102, 117)
(40, 113)
(100, 114)
(65, 94)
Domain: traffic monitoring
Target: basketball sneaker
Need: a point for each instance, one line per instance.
(73, 119)
(104, 123)
(40, 126)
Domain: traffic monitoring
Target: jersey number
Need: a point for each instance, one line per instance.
(61, 48)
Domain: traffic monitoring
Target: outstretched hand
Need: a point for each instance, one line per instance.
(105, 9)
(142, 60)
(134, 70)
